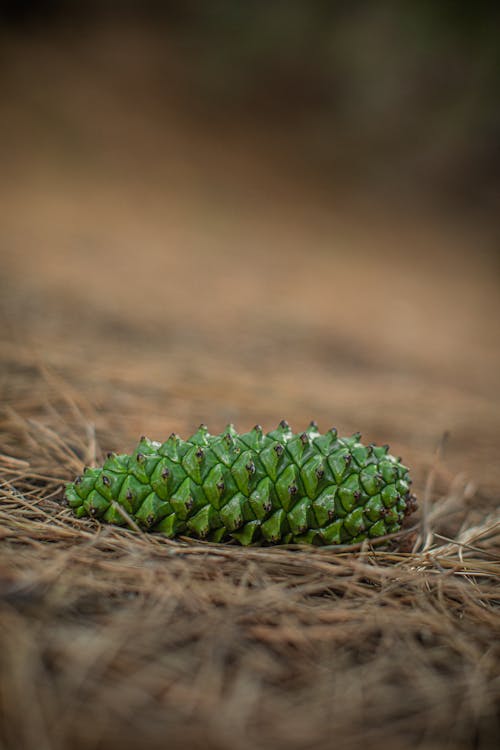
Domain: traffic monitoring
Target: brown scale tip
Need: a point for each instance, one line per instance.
(78, 480)
(140, 457)
(320, 473)
(258, 428)
(109, 454)
(279, 449)
(411, 505)
(106, 480)
(304, 438)
(284, 424)
(348, 458)
(313, 423)
(221, 486)
(292, 489)
(199, 453)
(129, 495)
(165, 473)
(250, 467)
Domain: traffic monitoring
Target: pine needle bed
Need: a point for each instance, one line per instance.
(113, 638)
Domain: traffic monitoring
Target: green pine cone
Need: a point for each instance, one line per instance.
(256, 488)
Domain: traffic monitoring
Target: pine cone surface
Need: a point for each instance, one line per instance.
(274, 488)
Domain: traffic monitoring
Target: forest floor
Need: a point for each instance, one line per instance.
(151, 282)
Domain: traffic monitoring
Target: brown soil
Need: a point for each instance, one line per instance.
(169, 277)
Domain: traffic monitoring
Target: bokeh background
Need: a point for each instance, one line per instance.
(235, 211)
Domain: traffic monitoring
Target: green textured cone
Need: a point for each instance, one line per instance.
(274, 488)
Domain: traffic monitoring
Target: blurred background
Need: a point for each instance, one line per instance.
(236, 211)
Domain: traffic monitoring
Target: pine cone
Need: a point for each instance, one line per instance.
(255, 488)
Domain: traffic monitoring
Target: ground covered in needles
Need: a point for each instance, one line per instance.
(112, 638)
